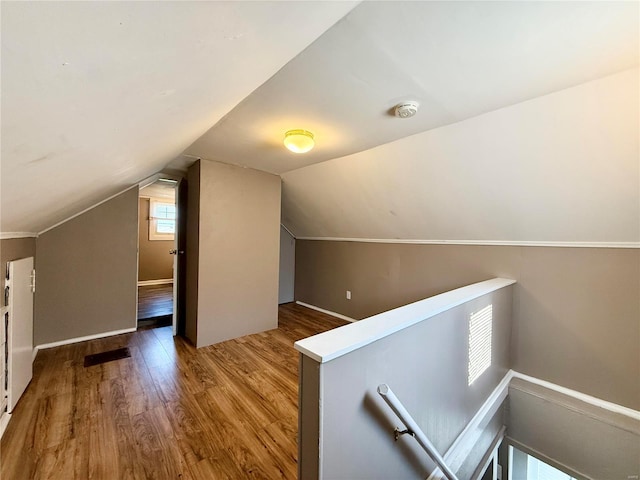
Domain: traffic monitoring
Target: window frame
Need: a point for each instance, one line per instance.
(153, 221)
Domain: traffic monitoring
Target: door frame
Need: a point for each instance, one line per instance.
(145, 183)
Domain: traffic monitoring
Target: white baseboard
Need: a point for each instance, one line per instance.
(162, 281)
(4, 421)
(328, 312)
(83, 339)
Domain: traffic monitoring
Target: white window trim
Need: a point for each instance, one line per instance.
(153, 235)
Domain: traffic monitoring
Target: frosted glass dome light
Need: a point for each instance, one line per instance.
(299, 141)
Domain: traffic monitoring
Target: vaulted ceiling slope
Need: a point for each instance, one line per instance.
(97, 96)
(562, 168)
(457, 59)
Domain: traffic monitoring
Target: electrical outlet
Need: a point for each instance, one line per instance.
(348, 294)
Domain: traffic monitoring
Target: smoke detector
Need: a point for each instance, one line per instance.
(406, 109)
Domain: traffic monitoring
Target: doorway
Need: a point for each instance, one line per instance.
(156, 246)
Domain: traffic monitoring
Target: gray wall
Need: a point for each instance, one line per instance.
(14, 249)
(576, 310)
(594, 442)
(287, 267)
(308, 418)
(238, 222)
(154, 260)
(356, 437)
(86, 272)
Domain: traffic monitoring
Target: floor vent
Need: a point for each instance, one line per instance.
(104, 357)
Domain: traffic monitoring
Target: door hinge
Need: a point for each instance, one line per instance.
(33, 281)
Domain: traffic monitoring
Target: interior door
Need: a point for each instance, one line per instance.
(179, 261)
(21, 286)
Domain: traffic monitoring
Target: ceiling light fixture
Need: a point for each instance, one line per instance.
(299, 141)
(406, 109)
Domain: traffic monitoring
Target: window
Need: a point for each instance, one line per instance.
(523, 466)
(162, 220)
(480, 324)
(538, 470)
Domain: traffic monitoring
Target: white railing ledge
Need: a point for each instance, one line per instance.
(330, 345)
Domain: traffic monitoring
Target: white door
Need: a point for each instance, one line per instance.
(21, 283)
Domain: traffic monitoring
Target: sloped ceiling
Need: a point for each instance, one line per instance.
(559, 169)
(457, 59)
(527, 129)
(159, 189)
(97, 96)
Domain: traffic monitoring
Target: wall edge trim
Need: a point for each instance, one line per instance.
(87, 209)
(464, 442)
(95, 336)
(162, 281)
(459, 450)
(512, 243)
(328, 312)
(548, 460)
(288, 231)
(595, 401)
(10, 235)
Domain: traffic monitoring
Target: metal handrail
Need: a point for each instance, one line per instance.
(413, 429)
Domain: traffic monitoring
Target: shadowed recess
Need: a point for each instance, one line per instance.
(104, 357)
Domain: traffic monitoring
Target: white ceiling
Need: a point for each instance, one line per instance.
(562, 168)
(159, 189)
(97, 96)
(458, 59)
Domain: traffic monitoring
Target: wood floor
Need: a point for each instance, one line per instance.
(155, 301)
(228, 411)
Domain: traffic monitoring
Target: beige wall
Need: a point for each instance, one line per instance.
(14, 249)
(238, 224)
(576, 310)
(154, 260)
(86, 272)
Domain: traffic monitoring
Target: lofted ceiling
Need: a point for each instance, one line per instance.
(97, 96)
(561, 169)
(525, 130)
(457, 59)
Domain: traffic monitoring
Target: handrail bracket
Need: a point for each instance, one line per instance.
(397, 433)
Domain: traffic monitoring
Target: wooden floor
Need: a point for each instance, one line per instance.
(155, 301)
(169, 411)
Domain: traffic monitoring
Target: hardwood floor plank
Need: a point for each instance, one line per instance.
(220, 467)
(170, 411)
(55, 462)
(155, 300)
(104, 457)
